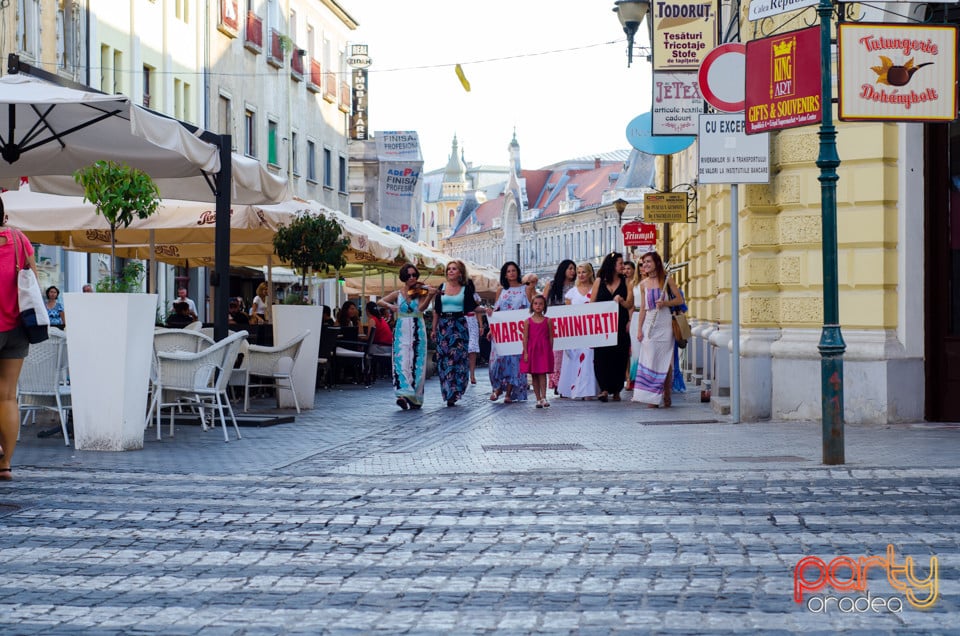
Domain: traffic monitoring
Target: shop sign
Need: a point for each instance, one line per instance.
(783, 88)
(684, 31)
(637, 234)
(677, 103)
(760, 9)
(665, 207)
(728, 155)
(897, 72)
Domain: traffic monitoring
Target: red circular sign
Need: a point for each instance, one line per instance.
(636, 233)
(722, 77)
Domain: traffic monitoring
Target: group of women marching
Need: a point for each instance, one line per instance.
(642, 357)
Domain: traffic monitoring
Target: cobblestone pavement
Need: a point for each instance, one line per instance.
(582, 518)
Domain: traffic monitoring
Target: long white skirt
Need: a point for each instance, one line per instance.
(577, 379)
(655, 359)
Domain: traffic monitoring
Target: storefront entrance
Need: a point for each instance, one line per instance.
(942, 272)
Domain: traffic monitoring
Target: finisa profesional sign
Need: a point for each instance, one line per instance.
(400, 186)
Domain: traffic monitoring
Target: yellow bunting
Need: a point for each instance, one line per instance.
(463, 78)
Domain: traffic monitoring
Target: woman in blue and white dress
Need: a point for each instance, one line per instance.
(505, 376)
(409, 336)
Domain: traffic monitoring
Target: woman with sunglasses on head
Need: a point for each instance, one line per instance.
(409, 336)
(610, 363)
(516, 293)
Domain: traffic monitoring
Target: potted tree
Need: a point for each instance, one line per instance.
(110, 338)
(309, 242)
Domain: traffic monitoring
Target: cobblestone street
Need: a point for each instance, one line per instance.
(581, 518)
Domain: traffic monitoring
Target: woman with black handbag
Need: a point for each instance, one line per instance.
(16, 252)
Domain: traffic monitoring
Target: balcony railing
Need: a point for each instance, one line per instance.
(276, 49)
(296, 64)
(330, 86)
(253, 33)
(315, 81)
(344, 97)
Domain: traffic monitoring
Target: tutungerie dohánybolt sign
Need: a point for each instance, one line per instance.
(684, 32)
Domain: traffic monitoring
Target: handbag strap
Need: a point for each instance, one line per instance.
(17, 247)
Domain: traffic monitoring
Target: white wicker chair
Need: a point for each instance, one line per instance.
(272, 365)
(42, 383)
(197, 378)
(173, 340)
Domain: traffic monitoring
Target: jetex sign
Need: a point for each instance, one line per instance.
(897, 72)
(783, 81)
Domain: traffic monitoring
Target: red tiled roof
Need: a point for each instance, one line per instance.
(589, 186)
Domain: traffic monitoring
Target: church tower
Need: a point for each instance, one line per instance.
(452, 190)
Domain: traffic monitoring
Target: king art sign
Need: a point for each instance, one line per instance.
(783, 81)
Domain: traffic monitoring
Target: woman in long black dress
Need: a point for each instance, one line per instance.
(610, 363)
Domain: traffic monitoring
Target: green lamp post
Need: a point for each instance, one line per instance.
(831, 340)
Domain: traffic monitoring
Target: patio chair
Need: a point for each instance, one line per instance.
(273, 366)
(199, 379)
(356, 353)
(42, 384)
(173, 340)
(327, 354)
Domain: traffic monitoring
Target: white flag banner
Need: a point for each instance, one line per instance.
(574, 327)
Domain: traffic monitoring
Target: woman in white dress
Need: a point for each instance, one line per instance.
(654, 377)
(577, 379)
(638, 296)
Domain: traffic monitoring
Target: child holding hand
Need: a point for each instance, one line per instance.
(538, 348)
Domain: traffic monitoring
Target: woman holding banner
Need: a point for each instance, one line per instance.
(505, 376)
(577, 379)
(654, 374)
(555, 292)
(610, 363)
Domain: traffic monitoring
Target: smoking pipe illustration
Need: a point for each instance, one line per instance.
(893, 75)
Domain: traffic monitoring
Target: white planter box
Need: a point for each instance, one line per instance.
(289, 321)
(110, 344)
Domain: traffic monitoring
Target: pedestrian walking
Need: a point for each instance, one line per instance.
(610, 363)
(455, 298)
(555, 293)
(634, 284)
(654, 376)
(409, 336)
(577, 377)
(538, 348)
(505, 376)
(16, 253)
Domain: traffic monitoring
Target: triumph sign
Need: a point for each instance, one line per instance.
(637, 234)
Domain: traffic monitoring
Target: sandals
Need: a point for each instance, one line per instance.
(495, 395)
(603, 397)
(402, 403)
(539, 404)
(546, 404)
(6, 474)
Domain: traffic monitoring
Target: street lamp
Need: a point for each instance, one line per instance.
(620, 205)
(831, 344)
(631, 14)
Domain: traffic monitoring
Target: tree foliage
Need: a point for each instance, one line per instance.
(312, 241)
(121, 194)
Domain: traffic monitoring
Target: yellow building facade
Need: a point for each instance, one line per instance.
(885, 195)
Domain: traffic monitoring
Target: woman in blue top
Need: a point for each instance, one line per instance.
(55, 308)
(454, 301)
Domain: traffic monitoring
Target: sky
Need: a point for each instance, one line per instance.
(554, 70)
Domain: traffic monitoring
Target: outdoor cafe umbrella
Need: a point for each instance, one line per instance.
(48, 128)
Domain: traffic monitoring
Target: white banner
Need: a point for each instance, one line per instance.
(574, 327)
(400, 187)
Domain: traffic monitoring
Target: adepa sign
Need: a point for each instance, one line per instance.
(636, 234)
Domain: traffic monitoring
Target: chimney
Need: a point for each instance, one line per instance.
(596, 163)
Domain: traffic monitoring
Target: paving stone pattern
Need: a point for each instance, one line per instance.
(483, 518)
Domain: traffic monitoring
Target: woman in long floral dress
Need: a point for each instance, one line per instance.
(505, 376)
(409, 336)
(455, 298)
